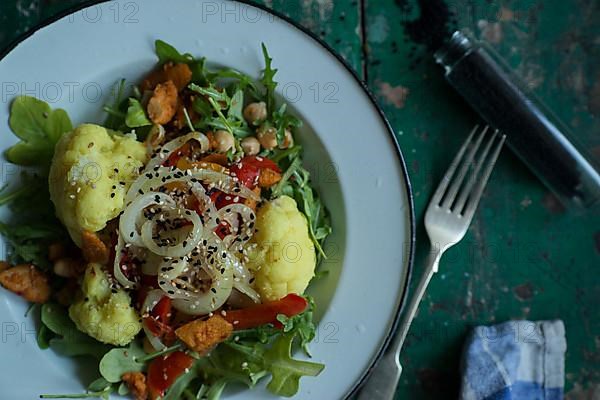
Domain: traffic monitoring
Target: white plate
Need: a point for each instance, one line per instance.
(349, 147)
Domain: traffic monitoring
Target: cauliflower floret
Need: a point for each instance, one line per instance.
(90, 173)
(281, 254)
(104, 313)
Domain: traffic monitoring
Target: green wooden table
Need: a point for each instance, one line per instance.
(524, 257)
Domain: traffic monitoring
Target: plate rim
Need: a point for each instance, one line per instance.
(364, 86)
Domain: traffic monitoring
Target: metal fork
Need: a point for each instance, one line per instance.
(447, 219)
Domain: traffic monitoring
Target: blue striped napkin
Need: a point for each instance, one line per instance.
(516, 360)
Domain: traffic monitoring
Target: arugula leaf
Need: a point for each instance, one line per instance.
(267, 80)
(283, 120)
(302, 325)
(33, 225)
(176, 390)
(100, 388)
(105, 394)
(43, 337)
(29, 242)
(295, 182)
(236, 106)
(72, 342)
(166, 53)
(99, 385)
(39, 128)
(117, 111)
(121, 360)
(286, 372)
(123, 390)
(136, 115)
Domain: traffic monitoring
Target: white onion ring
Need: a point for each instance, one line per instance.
(152, 299)
(185, 244)
(117, 272)
(159, 176)
(133, 216)
(215, 262)
(155, 137)
(241, 233)
(169, 148)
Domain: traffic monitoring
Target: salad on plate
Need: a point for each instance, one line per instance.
(172, 245)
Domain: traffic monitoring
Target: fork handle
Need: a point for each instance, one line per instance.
(384, 377)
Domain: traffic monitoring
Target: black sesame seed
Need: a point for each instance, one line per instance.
(171, 292)
(213, 290)
(112, 195)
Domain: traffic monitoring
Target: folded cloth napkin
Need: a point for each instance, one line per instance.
(515, 360)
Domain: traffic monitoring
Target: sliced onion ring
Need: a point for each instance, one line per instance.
(185, 244)
(117, 272)
(133, 216)
(170, 147)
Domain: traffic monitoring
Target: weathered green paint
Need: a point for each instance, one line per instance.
(523, 256)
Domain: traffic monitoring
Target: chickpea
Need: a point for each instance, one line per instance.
(288, 140)
(255, 113)
(251, 146)
(267, 136)
(223, 141)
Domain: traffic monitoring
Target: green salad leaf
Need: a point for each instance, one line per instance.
(136, 115)
(33, 224)
(166, 53)
(295, 182)
(39, 128)
(99, 385)
(69, 340)
(268, 81)
(121, 360)
(286, 372)
(117, 110)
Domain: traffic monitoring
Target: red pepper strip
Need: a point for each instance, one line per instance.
(247, 170)
(158, 320)
(163, 371)
(266, 313)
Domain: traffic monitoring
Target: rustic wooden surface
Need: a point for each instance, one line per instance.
(524, 257)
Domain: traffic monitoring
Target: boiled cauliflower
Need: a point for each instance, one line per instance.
(90, 173)
(281, 253)
(104, 313)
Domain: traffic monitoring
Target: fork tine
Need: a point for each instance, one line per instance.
(439, 193)
(466, 163)
(476, 195)
(462, 199)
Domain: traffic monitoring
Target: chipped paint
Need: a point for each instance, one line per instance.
(378, 29)
(324, 9)
(506, 14)
(490, 31)
(524, 292)
(395, 95)
(526, 202)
